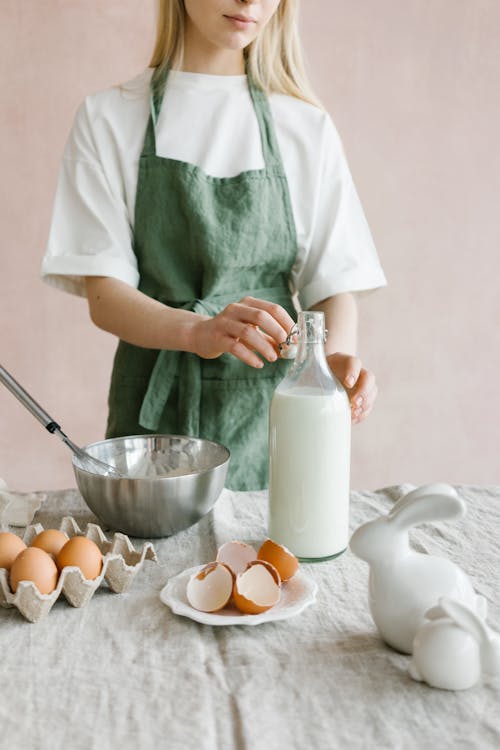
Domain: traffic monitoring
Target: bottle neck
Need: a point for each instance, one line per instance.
(310, 351)
(311, 326)
(310, 369)
(311, 337)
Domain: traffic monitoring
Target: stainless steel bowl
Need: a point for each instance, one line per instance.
(145, 503)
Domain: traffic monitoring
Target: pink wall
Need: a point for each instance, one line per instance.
(412, 88)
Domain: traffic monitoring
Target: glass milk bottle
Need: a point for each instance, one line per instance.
(309, 452)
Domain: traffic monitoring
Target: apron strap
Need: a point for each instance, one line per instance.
(168, 365)
(157, 91)
(270, 147)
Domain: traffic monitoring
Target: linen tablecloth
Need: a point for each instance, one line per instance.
(125, 672)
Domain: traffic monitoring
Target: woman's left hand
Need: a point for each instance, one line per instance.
(359, 383)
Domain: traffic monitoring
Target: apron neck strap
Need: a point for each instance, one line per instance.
(156, 93)
(270, 147)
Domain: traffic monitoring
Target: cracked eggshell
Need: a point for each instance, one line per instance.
(268, 567)
(257, 589)
(210, 589)
(278, 555)
(236, 556)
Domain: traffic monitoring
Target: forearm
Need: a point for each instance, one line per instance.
(136, 318)
(341, 320)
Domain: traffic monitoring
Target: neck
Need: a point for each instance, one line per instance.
(397, 551)
(200, 56)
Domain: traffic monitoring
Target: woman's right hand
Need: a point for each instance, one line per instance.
(245, 329)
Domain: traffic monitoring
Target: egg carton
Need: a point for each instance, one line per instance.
(121, 562)
(18, 508)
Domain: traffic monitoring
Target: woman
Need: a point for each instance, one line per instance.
(192, 204)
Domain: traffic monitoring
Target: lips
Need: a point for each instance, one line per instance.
(243, 19)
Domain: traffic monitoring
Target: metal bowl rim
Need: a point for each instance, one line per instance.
(152, 479)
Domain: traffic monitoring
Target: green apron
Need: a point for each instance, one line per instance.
(202, 242)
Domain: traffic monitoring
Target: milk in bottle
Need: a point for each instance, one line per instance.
(309, 452)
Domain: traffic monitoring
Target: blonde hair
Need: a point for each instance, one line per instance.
(274, 58)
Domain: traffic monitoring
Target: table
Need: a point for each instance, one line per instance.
(125, 672)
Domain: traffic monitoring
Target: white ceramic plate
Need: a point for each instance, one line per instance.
(296, 594)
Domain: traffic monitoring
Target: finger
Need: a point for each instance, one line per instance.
(365, 385)
(276, 313)
(246, 315)
(361, 417)
(345, 367)
(363, 401)
(249, 335)
(360, 412)
(271, 341)
(243, 353)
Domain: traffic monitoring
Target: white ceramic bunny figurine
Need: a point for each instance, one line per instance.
(454, 647)
(403, 583)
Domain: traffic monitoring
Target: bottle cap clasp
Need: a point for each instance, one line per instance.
(288, 348)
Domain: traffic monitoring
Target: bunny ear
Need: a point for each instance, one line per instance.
(465, 618)
(432, 502)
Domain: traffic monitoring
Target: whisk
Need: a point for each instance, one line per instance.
(85, 460)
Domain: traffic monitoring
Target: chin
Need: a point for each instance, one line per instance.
(238, 45)
(236, 41)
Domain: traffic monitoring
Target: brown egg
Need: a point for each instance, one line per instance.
(50, 541)
(256, 589)
(82, 553)
(34, 565)
(209, 590)
(283, 560)
(10, 546)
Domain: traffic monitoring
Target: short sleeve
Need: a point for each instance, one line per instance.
(341, 256)
(90, 232)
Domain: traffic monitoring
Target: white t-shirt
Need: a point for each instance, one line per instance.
(209, 121)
